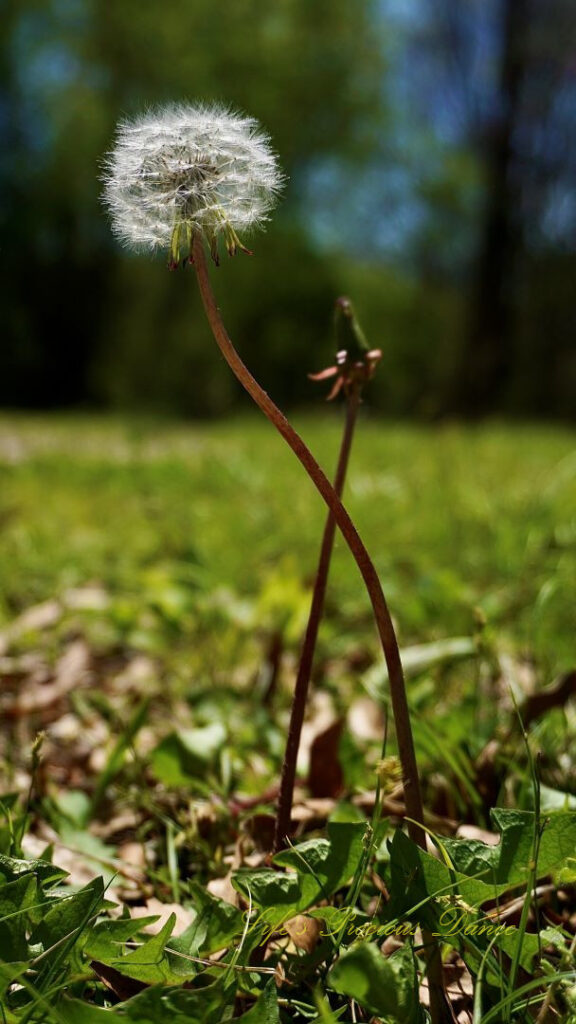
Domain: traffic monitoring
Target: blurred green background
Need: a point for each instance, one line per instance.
(431, 151)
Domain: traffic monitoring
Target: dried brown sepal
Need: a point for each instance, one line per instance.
(350, 373)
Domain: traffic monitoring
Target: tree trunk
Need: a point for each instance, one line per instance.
(486, 361)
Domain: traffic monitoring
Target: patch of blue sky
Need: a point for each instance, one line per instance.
(557, 226)
(46, 67)
(448, 64)
(373, 212)
(404, 13)
(441, 94)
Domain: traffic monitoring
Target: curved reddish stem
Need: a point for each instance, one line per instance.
(382, 616)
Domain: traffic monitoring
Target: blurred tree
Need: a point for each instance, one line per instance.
(485, 366)
(82, 314)
(498, 79)
(432, 163)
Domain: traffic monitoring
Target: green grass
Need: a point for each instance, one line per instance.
(205, 537)
(456, 519)
(180, 553)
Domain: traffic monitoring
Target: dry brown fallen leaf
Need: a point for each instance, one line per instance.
(164, 910)
(365, 719)
(92, 597)
(34, 619)
(138, 674)
(314, 809)
(80, 871)
(71, 671)
(126, 821)
(319, 716)
(396, 809)
(223, 889)
(482, 834)
(133, 857)
(303, 931)
(325, 773)
(557, 695)
(119, 984)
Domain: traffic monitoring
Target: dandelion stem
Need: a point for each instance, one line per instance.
(412, 797)
(439, 1007)
(309, 645)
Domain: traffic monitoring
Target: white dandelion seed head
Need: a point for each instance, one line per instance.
(191, 168)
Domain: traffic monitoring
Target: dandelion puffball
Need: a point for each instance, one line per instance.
(179, 169)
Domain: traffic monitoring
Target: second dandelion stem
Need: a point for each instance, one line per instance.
(282, 827)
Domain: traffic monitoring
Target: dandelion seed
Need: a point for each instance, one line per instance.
(179, 170)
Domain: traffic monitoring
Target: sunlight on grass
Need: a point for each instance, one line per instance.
(456, 519)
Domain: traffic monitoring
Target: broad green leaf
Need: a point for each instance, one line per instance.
(15, 898)
(508, 863)
(68, 914)
(420, 875)
(419, 878)
(105, 937)
(205, 1005)
(74, 805)
(75, 1011)
(442, 900)
(531, 945)
(320, 868)
(182, 755)
(12, 867)
(276, 895)
(473, 857)
(214, 927)
(557, 843)
(379, 984)
(149, 963)
(332, 862)
(10, 972)
(265, 1010)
